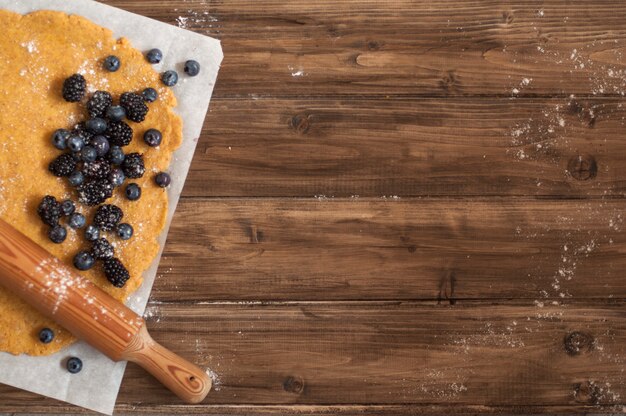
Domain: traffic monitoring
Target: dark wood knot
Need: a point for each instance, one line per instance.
(446, 288)
(373, 45)
(449, 81)
(577, 343)
(294, 384)
(587, 392)
(582, 167)
(507, 17)
(300, 123)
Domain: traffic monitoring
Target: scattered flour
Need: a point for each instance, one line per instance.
(217, 383)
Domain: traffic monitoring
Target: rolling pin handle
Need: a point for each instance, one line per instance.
(186, 380)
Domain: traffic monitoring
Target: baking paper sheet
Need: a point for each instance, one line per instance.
(97, 386)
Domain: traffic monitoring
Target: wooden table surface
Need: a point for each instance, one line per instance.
(399, 206)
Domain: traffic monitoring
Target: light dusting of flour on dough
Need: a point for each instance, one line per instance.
(58, 281)
(30, 46)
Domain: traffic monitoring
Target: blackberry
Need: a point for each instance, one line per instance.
(98, 169)
(102, 249)
(136, 109)
(133, 166)
(99, 103)
(107, 217)
(119, 133)
(94, 192)
(115, 272)
(49, 210)
(74, 88)
(63, 165)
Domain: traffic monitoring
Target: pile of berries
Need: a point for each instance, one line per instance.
(95, 164)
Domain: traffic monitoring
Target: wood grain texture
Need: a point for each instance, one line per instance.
(408, 48)
(391, 353)
(493, 284)
(249, 249)
(429, 147)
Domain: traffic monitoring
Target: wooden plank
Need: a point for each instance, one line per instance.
(444, 48)
(391, 353)
(416, 147)
(122, 409)
(263, 249)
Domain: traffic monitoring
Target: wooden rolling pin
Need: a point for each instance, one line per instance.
(89, 313)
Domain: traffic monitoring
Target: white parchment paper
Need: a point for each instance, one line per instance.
(97, 385)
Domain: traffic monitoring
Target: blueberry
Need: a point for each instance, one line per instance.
(88, 154)
(92, 233)
(59, 139)
(125, 231)
(75, 143)
(116, 155)
(67, 208)
(163, 179)
(133, 192)
(46, 335)
(116, 177)
(112, 63)
(77, 221)
(101, 144)
(192, 68)
(116, 113)
(96, 125)
(152, 137)
(150, 95)
(74, 365)
(154, 56)
(77, 178)
(57, 234)
(84, 260)
(169, 78)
